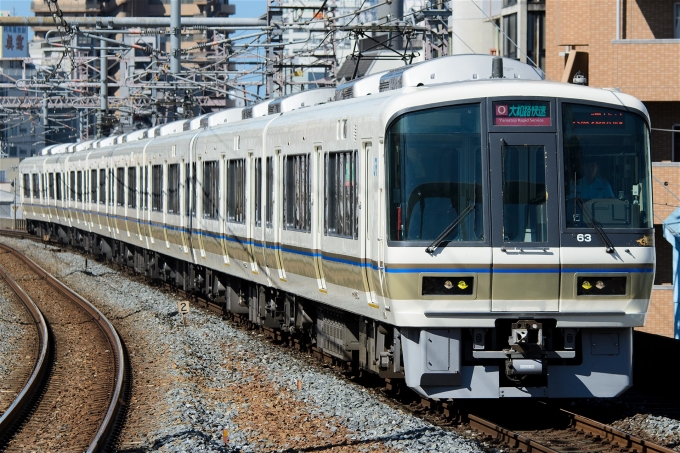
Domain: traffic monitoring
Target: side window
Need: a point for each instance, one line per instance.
(102, 186)
(79, 192)
(72, 189)
(270, 191)
(211, 184)
(51, 184)
(189, 188)
(27, 185)
(173, 188)
(157, 188)
(132, 187)
(144, 189)
(258, 191)
(59, 186)
(43, 187)
(111, 180)
(120, 186)
(93, 186)
(296, 193)
(36, 185)
(236, 190)
(341, 195)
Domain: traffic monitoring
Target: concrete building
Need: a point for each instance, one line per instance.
(510, 28)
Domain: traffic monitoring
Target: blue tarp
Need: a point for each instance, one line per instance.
(671, 231)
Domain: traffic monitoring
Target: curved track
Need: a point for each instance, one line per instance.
(79, 401)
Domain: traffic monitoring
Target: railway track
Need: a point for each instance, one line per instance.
(554, 430)
(74, 396)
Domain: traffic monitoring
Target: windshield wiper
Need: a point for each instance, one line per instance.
(449, 229)
(609, 247)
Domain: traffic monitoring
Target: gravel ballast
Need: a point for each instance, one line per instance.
(193, 383)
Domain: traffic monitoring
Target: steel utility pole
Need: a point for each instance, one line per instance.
(175, 29)
(103, 88)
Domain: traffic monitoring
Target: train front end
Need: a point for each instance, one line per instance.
(519, 252)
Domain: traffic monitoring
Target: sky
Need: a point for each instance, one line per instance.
(244, 8)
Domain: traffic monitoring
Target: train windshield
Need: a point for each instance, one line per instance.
(606, 167)
(435, 175)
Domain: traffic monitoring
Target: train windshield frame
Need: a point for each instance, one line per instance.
(606, 176)
(436, 163)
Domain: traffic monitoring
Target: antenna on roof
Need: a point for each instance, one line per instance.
(497, 68)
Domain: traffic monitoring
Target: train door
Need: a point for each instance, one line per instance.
(272, 217)
(318, 229)
(525, 237)
(375, 227)
(259, 247)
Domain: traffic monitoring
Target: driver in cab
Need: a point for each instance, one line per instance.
(591, 185)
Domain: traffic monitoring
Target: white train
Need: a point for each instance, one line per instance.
(478, 236)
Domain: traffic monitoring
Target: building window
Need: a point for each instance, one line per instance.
(3, 176)
(211, 185)
(676, 21)
(120, 186)
(102, 186)
(676, 143)
(50, 178)
(510, 35)
(536, 37)
(173, 188)
(132, 187)
(236, 190)
(157, 188)
(270, 191)
(509, 3)
(93, 186)
(297, 188)
(341, 194)
(258, 191)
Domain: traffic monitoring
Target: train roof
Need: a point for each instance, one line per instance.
(455, 77)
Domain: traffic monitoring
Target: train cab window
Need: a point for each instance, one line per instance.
(59, 186)
(102, 186)
(157, 188)
(341, 194)
(79, 187)
(132, 187)
(525, 217)
(606, 166)
(173, 188)
(43, 187)
(144, 189)
(93, 186)
(434, 159)
(50, 178)
(297, 189)
(211, 185)
(120, 186)
(270, 192)
(236, 190)
(258, 191)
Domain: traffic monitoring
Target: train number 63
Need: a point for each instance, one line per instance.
(583, 237)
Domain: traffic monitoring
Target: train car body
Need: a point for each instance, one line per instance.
(448, 229)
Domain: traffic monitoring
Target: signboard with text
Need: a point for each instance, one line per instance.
(14, 42)
(521, 113)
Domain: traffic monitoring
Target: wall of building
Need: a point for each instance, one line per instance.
(660, 318)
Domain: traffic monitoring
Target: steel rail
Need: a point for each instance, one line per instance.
(615, 436)
(26, 397)
(510, 438)
(102, 436)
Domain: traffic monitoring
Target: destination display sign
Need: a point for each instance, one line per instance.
(601, 119)
(521, 113)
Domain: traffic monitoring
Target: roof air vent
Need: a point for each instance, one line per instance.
(247, 113)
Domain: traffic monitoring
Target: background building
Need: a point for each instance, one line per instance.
(632, 46)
